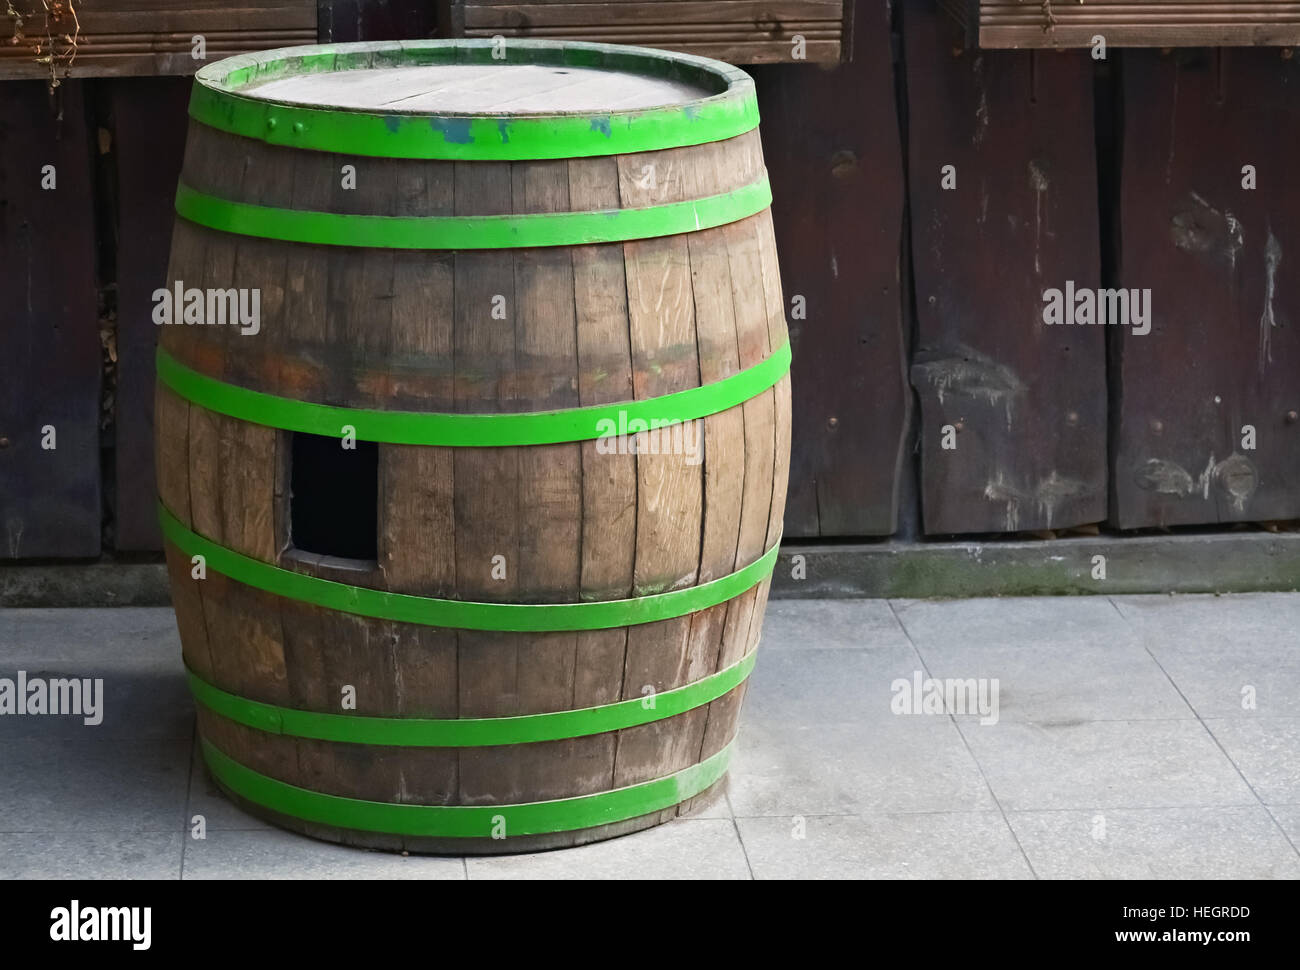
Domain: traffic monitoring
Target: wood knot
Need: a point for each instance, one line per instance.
(844, 163)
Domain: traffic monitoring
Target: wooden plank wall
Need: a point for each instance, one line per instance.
(146, 37)
(1025, 402)
(341, 21)
(49, 329)
(1224, 350)
(1128, 23)
(739, 31)
(837, 182)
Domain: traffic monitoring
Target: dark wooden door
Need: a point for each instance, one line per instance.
(1208, 403)
(831, 143)
(1013, 412)
(49, 330)
(149, 120)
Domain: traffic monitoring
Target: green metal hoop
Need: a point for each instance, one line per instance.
(471, 232)
(473, 430)
(466, 821)
(468, 732)
(464, 614)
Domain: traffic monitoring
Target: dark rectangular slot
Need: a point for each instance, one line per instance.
(334, 497)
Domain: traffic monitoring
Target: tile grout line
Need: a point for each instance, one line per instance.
(969, 750)
(1011, 811)
(1095, 720)
(1205, 727)
(740, 838)
(189, 795)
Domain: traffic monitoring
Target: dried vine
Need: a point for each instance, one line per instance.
(54, 42)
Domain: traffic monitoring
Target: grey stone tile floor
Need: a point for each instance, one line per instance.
(1134, 737)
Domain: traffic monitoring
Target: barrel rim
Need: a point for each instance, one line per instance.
(218, 102)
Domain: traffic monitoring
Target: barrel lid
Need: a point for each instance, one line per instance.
(475, 99)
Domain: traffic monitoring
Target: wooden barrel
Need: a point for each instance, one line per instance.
(472, 434)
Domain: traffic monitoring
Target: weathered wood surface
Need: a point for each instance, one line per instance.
(1025, 402)
(339, 21)
(1223, 354)
(415, 330)
(50, 361)
(145, 37)
(738, 31)
(148, 142)
(478, 88)
(1129, 23)
(837, 184)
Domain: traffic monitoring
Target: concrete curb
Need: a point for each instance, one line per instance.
(1213, 563)
(85, 585)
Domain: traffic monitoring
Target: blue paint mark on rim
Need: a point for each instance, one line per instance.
(454, 130)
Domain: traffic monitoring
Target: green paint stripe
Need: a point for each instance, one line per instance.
(471, 232)
(218, 103)
(473, 430)
(468, 732)
(466, 821)
(472, 139)
(464, 614)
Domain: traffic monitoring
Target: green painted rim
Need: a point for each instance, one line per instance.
(471, 232)
(223, 98)
(466, 821)
(473, 430)
(465, 614)
(468, 732)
